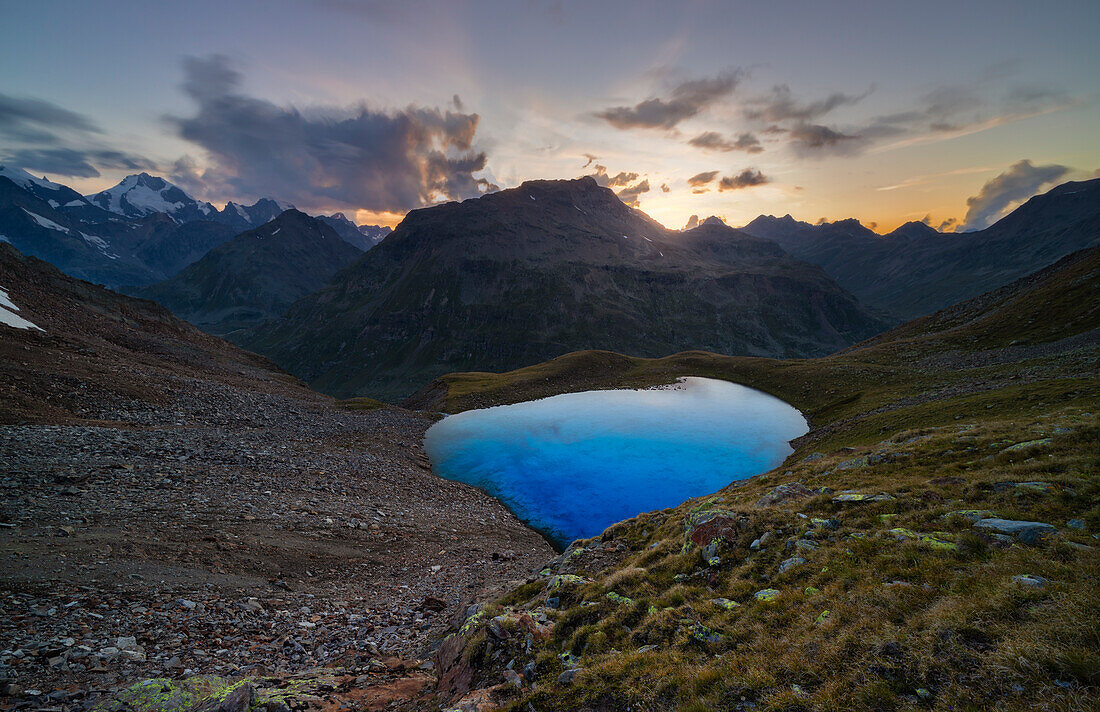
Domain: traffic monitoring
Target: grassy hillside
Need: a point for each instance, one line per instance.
(874, 569)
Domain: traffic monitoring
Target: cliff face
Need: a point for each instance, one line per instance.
(527, 274)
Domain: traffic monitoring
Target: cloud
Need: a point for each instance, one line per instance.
(781, 105)
(745, 179)
(611, 181)
(692, 223)
(1021, 181)
(702, 178)
(630, 195)
(34, 120)
(591, 159)
(352, 157)
(712, 141)
(687, 99)
(622, 179)
(948, 225)
(665, 188)
(815, 138)
(75, 163)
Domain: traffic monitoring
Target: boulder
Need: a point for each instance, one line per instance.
(789, 492)
(1025, 532)
(788, 564)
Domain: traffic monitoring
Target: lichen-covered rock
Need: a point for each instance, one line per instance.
(238, 697)
(850, 497)
(766, 595)
(704, 634)
(1027, 445)
(971, 515)
(788, 564)
(564, 581)
(1026, 532)
(936, 541)
(712, 526)
(789, 492)
(725, 603)
(164, 695)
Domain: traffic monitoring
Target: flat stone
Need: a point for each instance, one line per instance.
(1026, 532)
(766, 595)
(789, 492)
(1028, 444)
(1029, 580)
(860, 497)
(788, 564)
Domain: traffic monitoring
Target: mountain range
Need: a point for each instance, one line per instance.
(256, 275)
(141, 231)
(915, 270)
(526, 274)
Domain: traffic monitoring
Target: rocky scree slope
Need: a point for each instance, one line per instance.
(526, 274)
(179, 511)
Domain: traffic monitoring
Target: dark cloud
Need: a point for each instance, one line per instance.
(814, 138)
(665, 188)
(712, 141)
(700, 191)
(34, 120)
(357, 158)
(781, 105)
(1021, 181)
(686, 100)
(702, 178)
(630, 195)
(75, 163)
(745, 179)
(948, 225)
(591, 159)
(692, 223)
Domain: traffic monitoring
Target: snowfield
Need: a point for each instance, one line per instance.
(8, 316)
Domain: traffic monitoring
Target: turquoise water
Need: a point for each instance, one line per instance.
(572, 465)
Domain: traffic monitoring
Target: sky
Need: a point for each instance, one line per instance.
(946, 112)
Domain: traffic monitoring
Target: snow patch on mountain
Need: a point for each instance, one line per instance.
(8, 316)
(46, 222)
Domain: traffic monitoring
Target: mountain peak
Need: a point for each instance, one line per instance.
(913, 229)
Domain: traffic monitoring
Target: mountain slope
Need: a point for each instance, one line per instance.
(522, 275)
(98, 350)
(256, 275)
(915, 270)
(85, 251)
(928, 545)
